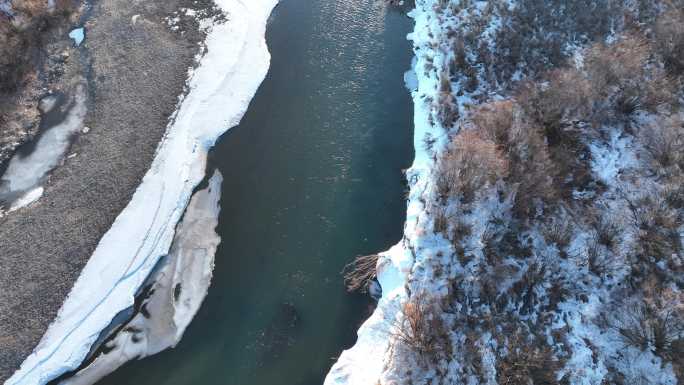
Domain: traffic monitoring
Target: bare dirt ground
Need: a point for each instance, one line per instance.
(136, 67)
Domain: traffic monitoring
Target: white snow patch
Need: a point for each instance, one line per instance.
(27, 199)
(77, 35)
(609, 159)
(25, 173)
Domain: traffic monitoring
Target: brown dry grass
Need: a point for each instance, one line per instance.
(421, 328)
(670, 40)
(526, 360)
(656, 322)
(471, 163)
(360, 273)
(23, 35)
(664, 139)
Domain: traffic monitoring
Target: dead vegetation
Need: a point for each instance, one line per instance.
(359, 274)
(534, 146)
(526, 359)
(670, 39)
(23, 34)
(650, 319)
(420, 328)
(472, 163)
(534, 36)
(447, 108)
(664, 139)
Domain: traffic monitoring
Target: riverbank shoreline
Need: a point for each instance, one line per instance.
(365, 362)
(144, 230)
(484, 286)
(136, 66)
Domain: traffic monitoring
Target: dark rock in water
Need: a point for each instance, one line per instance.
(375, 290)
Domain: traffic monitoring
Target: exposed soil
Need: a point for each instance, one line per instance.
(135, 66)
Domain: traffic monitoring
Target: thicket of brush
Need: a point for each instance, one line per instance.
(533, 147)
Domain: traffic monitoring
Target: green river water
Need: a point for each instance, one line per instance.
(313, 177)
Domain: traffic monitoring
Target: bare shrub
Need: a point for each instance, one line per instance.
(674, 192)
(440, 222)
(494, 121)
(469, 164)
(420, 326)
(601, 261)
(518, 137)
(447, 108)
(524, 360)
(565, 94)
(472, 356)
(530, 170)
(655, 323)
(657, 228)
(522, 292)
(460, 229)
(611, 65)
(622, 81)
(360, 273)
(670, 40)
(459, 64)
(534, 33)
(558, 230)
(607, 231)
(664, 140)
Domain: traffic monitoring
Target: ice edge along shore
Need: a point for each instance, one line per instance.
(364, 362)
(220, 89)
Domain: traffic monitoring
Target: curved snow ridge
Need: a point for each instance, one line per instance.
(220, 89)
(365, 362)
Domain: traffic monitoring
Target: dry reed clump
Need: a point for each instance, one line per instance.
(669, 31)
(494, 121)
(558, 230)
(623, 83)
(664, 140)
(525, 359)
(446, 108)
(657, 228)
(565, 94)
(655, 322)
(440, 219)
(530, 171)
(470, 164)
(360, 273)
(419, 327)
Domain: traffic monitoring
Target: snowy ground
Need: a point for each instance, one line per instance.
(366, 361)
(177, 289)
(221, 87)
(427, 259)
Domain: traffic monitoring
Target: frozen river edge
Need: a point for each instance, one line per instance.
(220, 90)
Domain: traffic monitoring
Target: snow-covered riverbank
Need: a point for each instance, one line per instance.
(365, 362)
(528, 250)
(172, 295)
(220, 90)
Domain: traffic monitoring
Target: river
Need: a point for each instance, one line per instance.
(313, 177)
